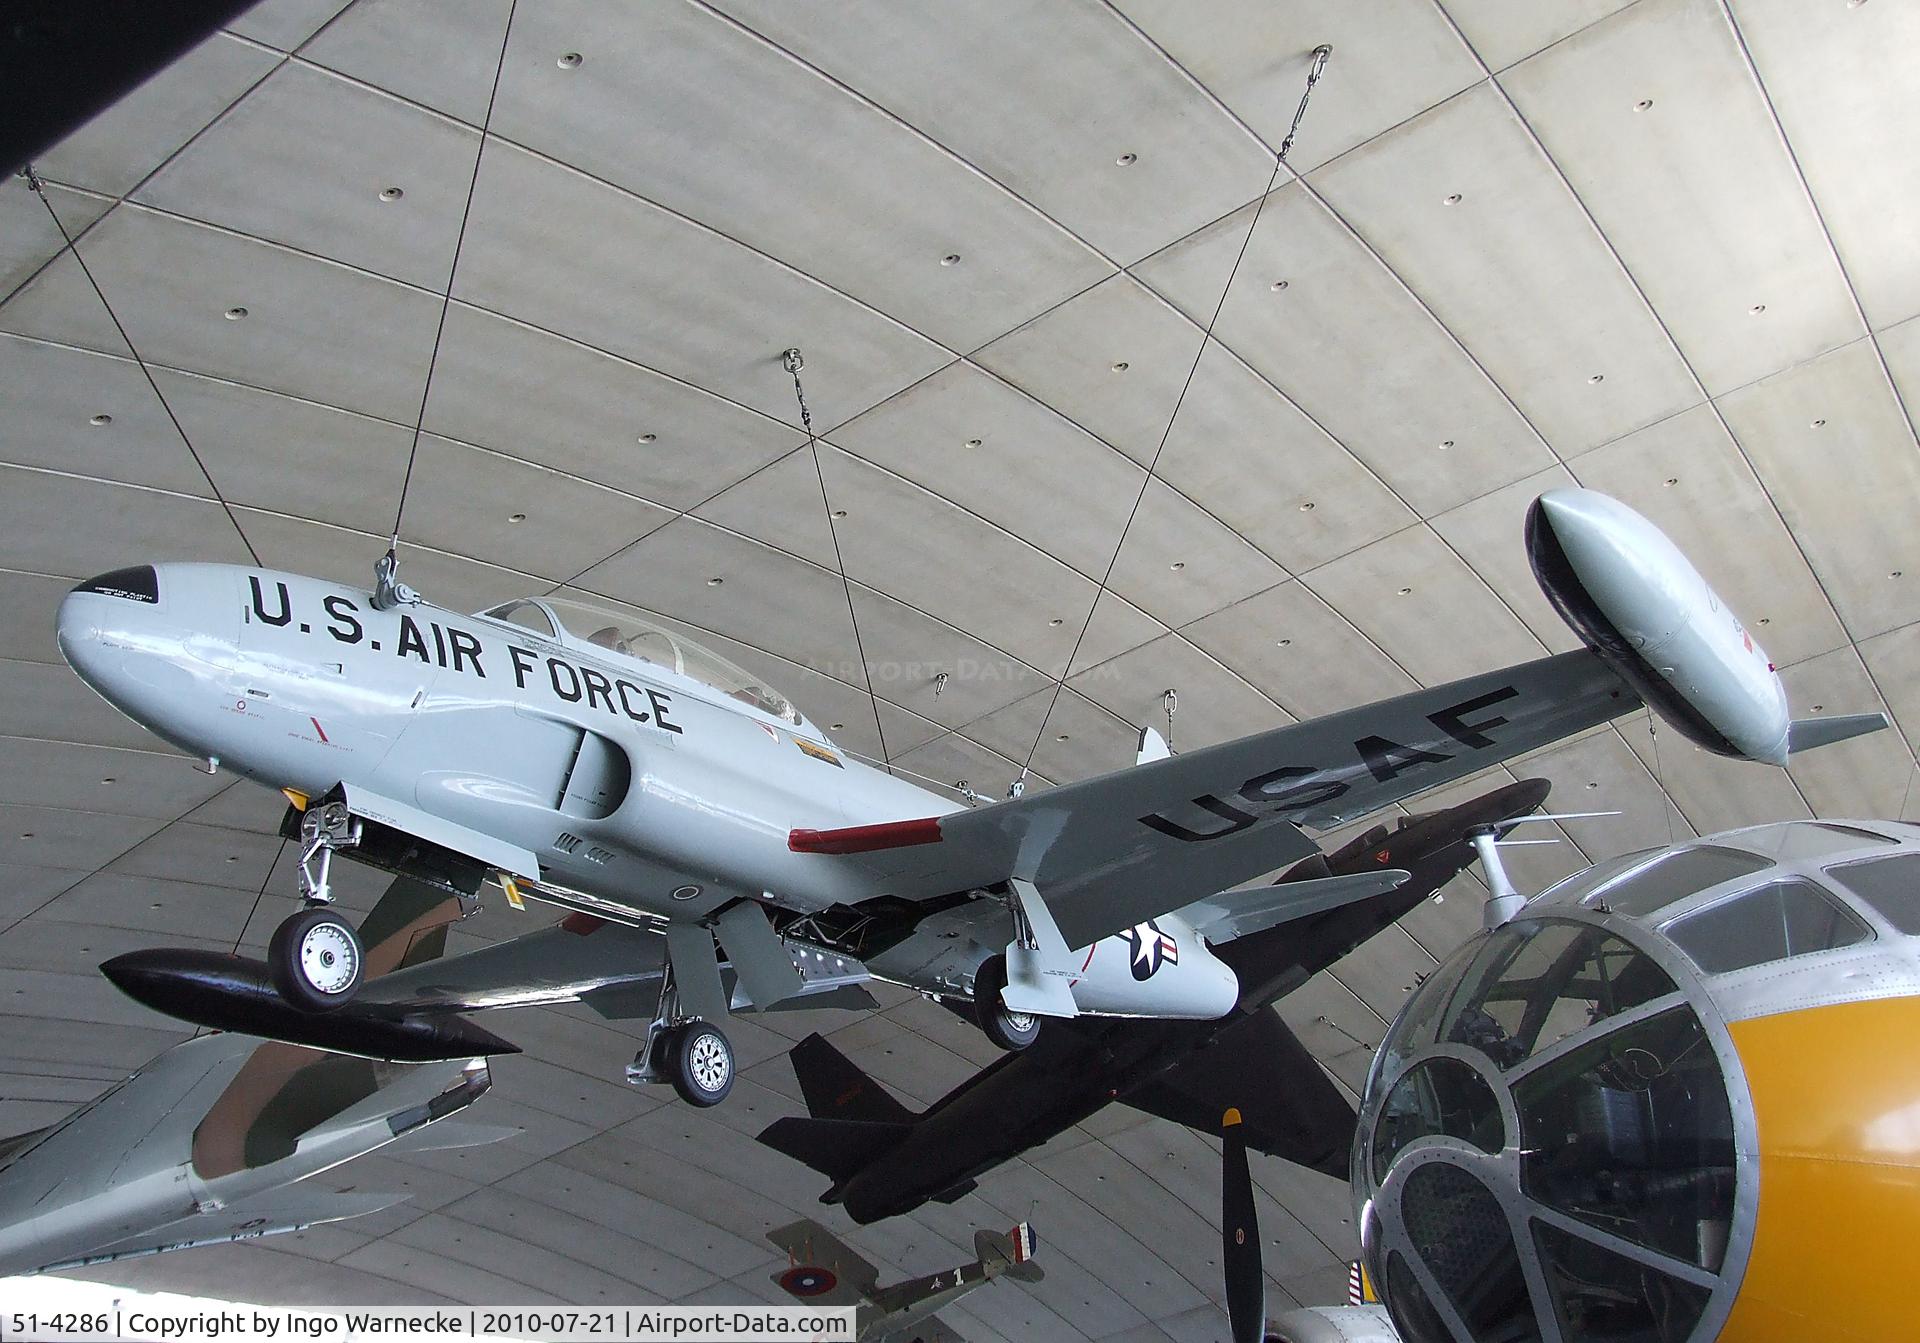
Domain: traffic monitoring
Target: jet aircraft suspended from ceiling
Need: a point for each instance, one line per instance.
(607, 765)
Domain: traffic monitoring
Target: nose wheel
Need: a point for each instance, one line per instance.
(694, 1055)
(316, 960)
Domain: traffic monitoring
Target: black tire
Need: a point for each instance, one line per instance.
(316, 960)
(700, 1061)
(1011, 1031)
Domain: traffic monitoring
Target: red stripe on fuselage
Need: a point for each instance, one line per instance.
(867, 838)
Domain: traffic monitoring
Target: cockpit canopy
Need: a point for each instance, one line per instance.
(570, 621)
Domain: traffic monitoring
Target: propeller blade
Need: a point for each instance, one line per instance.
(1240, 1237)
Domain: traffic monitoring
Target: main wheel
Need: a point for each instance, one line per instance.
(315, 960)
(1012, 1031)
(700, 1061)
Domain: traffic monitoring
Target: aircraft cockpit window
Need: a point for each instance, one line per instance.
(1891, 885)
(1437, 1096)
(1633, 1133)
(1794, 840)
(637, 638)
(1534, 984)
(1678, 875)
(1769, 923)
(527, 615)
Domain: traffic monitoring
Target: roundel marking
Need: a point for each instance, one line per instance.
(807, 1280)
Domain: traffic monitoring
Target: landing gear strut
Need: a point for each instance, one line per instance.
(1012, 1031)
(692, 1054)
(315, 957)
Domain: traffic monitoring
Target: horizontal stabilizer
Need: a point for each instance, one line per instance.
(448, 1135)
(1807, 733)
(1250, 909)
(1009, 1252)
(835, 1088)
(838, 1148)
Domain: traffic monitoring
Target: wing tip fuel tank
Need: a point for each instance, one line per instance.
(1633, 597)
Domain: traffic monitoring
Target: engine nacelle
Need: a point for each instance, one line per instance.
(1161, 968)
(1638, 602)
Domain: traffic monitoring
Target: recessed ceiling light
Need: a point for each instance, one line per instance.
(1820, 424)
(108, 779)
(1406, 592)
(1819, 708)
(839, 512)
(570, 61)
(516, 517)
(1307, 507)
(101, 419)
(1055, 623)
(1895, 574)
(1765, 620)
(973, 442)
(392, 194)
(1445, 443)
(1120, 367)
(1127, 160)
(950, 259)
(1282, 643)
(1596, 379)
(647, 438)
(1278, 285)
(1671, 481)
(1454, 199)
(715, 582)
(235, 314)
(1643, 105)
(1062, 737)
(837, 727)
(1757, 309)
(1178, 565)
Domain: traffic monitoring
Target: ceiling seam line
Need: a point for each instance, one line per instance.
(1565, 37)
(65, 246)
(897, 119)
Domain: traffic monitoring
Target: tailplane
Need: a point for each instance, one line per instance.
(1009, 1252)
(835, 1088)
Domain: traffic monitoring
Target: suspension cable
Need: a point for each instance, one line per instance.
(1320, 55)
(39, 188)
(794, 361)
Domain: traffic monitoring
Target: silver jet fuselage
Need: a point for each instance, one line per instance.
(612, 782)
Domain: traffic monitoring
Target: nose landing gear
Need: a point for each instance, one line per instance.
(315, 957)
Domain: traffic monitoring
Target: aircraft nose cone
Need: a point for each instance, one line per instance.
(108, 602)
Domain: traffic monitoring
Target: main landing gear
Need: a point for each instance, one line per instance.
(692, 1054)
(315, 958)
(1012, 1031)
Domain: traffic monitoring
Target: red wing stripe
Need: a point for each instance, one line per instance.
(867, 838)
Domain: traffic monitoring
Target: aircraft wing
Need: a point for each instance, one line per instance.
(269, 1214)
(823, 1270)
(1291, 1108)
(1111, 852)
(1252, 909)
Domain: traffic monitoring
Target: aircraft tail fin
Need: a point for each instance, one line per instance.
(838, 1148)
(835, 1088)
(407, 926)
(1009, 1252)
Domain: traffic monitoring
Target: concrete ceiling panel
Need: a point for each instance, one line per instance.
(130, 138)
(59, 304)
(563, 251)
(738, 134)
(23, 889)
(1416, 598)
(907, 650)
(1894, 660)
(1900, 347)
(1081, 739)
(1299, 651)
(168, 908)
(1849, 114)
(186, 851)
(1689, 477)
(1463, 205)
(1600, 772)
(347, 557)
(529, 518)
(997, 452)
(952, 759)
(1820, 474)
(380, 42)
(1506, 31)
(151, 782)
(28, 605)
(1390, 60)
(1213, 704)
(781, 505)
(909, 543)
(286, 24)
(1335, 1026)
(1138, 152)
(92, 415)
(1320, 318)
(73, 526)
(1656, 120)
(765, 598)
(530, 394)
(310, 328)
(1866, 777)
(29, 237)
(308, 160)
(1179, 562)
(1249, 456)
(1711, 791)
(1488, 534)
